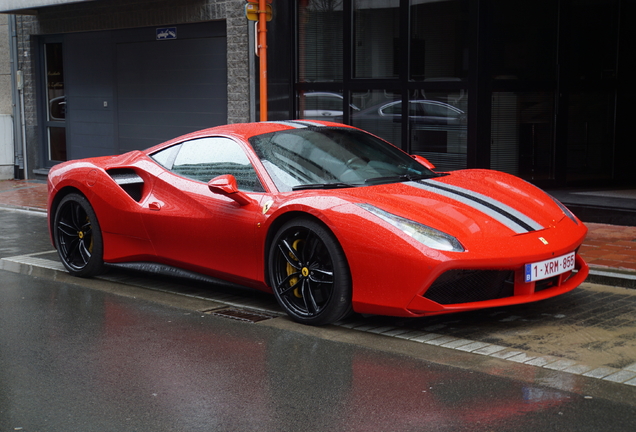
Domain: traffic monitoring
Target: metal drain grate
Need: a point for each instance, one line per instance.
(241, 314)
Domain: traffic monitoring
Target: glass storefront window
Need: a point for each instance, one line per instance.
(524, 40)
(522, 132)
(55, 102)
(438, 40)
(57, 144)
(437, 128)
(321, 105)
(55, 82)
(376, 38)
(378, 112)
(590, 147)
(437, 50)
(594, 88)
(320, 41)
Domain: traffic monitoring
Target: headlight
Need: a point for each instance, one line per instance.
(426, 235)
(565, 210)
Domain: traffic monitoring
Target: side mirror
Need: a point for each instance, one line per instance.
(424, 161)
(226, 185)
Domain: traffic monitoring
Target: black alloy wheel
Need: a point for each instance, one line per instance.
(309, 274)
(78, 238)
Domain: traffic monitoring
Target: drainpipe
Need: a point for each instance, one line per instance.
(262, 55)
(252, 32)
(25, 155)
(19, 125)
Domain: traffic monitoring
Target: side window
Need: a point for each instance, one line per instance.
(205, 158)
(166, 156)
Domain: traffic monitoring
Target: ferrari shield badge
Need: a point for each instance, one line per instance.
(267, 206)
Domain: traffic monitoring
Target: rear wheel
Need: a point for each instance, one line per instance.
(78, 238)
(309, 273)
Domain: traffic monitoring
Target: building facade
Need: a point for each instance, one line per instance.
(539, 89)
(6, 105)
(105, 77)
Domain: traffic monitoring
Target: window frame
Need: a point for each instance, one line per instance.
(169, 165)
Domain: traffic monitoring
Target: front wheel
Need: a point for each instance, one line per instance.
(78, 238)
(309, 274)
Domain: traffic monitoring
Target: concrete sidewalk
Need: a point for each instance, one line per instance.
(610, 250)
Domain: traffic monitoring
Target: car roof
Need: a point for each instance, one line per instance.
(247, 130)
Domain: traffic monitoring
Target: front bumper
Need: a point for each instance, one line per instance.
(478, 289)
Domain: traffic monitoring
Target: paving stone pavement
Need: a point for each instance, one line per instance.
(27, 194)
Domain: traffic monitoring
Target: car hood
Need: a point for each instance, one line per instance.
(468, 203)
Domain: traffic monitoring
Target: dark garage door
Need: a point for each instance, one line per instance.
(169, 88)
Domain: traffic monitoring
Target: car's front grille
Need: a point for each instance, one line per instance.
(466, 286)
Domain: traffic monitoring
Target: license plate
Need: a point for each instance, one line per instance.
(548, 268)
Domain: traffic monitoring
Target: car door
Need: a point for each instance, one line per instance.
(193, 228)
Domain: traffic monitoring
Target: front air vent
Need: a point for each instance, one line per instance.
(466, 286)
(129, 181)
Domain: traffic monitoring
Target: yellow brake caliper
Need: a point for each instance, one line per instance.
(291, 270)
(81, 235)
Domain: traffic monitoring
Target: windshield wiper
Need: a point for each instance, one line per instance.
(397, 178)
(336, 185)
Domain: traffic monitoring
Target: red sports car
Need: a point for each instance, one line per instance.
(327, 217)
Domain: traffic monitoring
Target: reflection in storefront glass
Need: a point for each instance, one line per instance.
(524, 39)
(437, 128)
(321, 105)
(590, 134)
(57, 143)
(379, 112)
(320, 40)
(55, 82)
(522, 130)
(56, 102)
(376, 37)
(438, 40)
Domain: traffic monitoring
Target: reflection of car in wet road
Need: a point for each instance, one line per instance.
(327, 217)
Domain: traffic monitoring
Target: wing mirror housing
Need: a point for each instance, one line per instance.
(424, 161)
(226, 185)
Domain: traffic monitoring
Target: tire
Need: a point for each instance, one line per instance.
(78, 237)
(309, 274)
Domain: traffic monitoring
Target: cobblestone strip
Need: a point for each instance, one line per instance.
(627, 375)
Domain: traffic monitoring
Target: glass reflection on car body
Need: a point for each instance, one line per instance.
(331, 158)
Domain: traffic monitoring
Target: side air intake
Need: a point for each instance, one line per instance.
(129, 181)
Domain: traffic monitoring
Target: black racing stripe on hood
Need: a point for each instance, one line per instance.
(484, 203)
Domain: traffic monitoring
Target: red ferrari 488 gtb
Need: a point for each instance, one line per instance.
(329, 218)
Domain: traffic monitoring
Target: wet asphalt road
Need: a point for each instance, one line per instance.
(75, 358)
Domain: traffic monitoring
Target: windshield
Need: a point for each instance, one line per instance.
(326, 157)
